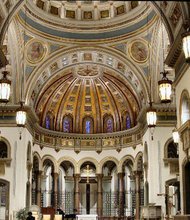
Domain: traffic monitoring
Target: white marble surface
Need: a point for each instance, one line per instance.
(87, 217)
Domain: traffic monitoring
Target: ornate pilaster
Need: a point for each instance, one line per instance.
(137, 175)
(76, 193)
(121, 193)
(39, 178)
(55, 176)
(100, 201)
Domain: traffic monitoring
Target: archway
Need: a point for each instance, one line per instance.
(4, 199)
(187, 188)
(88, 188)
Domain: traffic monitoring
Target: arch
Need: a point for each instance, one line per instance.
(90, 159)
(99, 49)
(70, 159)
(170, 149)
(5, 197)
(138, 157)
(52, 159)
(36, 154)
(186, 179)
(7, 145)
(106, 159)
(184, 107)
(123, 160)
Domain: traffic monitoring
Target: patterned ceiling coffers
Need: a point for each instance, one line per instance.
(87, 99)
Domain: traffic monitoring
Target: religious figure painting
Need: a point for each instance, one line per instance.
(139, 51)
(35, 52)
(104, 14)
(120, 9)
(70, 14)
(87, 15)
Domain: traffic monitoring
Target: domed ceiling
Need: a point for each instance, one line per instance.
(87, 98)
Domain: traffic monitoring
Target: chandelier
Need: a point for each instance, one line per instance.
(5, 88)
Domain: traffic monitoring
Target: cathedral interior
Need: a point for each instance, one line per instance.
(92, 94)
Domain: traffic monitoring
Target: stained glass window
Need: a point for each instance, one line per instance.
(66, 125)
(128, 122)
(109, 125)
(48, 122)
(87, 126)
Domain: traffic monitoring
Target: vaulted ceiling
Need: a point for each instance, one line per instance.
(89, 60)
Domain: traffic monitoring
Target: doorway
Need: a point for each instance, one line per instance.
(4, 200)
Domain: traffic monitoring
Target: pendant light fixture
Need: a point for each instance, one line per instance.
(5, 88)
(21, 111)
(175, 135)
(165, 85)
(165, 88)
(186, 42)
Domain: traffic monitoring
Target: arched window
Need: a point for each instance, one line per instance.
(88, 125)
(67, 124)
(49, 121)
(108, 124)
(172, 150)
(3, 150)
(128, 122)
(184, 109)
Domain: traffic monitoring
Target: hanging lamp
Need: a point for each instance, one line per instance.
(151, 116)
(186, 44)
(165, 88)
(175, 135)
(5, 88)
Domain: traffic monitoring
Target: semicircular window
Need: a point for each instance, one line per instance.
(3, 150)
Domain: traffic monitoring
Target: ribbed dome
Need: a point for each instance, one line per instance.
(88, 99)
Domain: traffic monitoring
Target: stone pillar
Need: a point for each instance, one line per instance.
(39, 178)
(121, 194)
(55, 189)
(76, 193)
(137, 193)
(99, 202)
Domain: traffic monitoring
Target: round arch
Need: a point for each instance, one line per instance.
(70, 159)
(123, 160)
(52, 159)
(184, 107)
(138, 156)
(103, 161)
(90, 159)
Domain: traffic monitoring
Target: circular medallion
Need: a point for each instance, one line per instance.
(138, 51)
(35, 51)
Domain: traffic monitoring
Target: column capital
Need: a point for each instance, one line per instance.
(99, 175)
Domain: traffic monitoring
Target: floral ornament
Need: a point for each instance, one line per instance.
(22, 214)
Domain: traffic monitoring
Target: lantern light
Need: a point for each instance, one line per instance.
(165, 88)
(186, 45)
(151, 116)
(175, 135)
(5, 88)
(21, 115)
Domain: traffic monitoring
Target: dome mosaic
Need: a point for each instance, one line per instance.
(87, 99)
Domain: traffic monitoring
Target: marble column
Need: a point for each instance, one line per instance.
(76, 193)
(55, 189)
(99, 201)
(121, 194)
(137, 193)
(39, 178)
